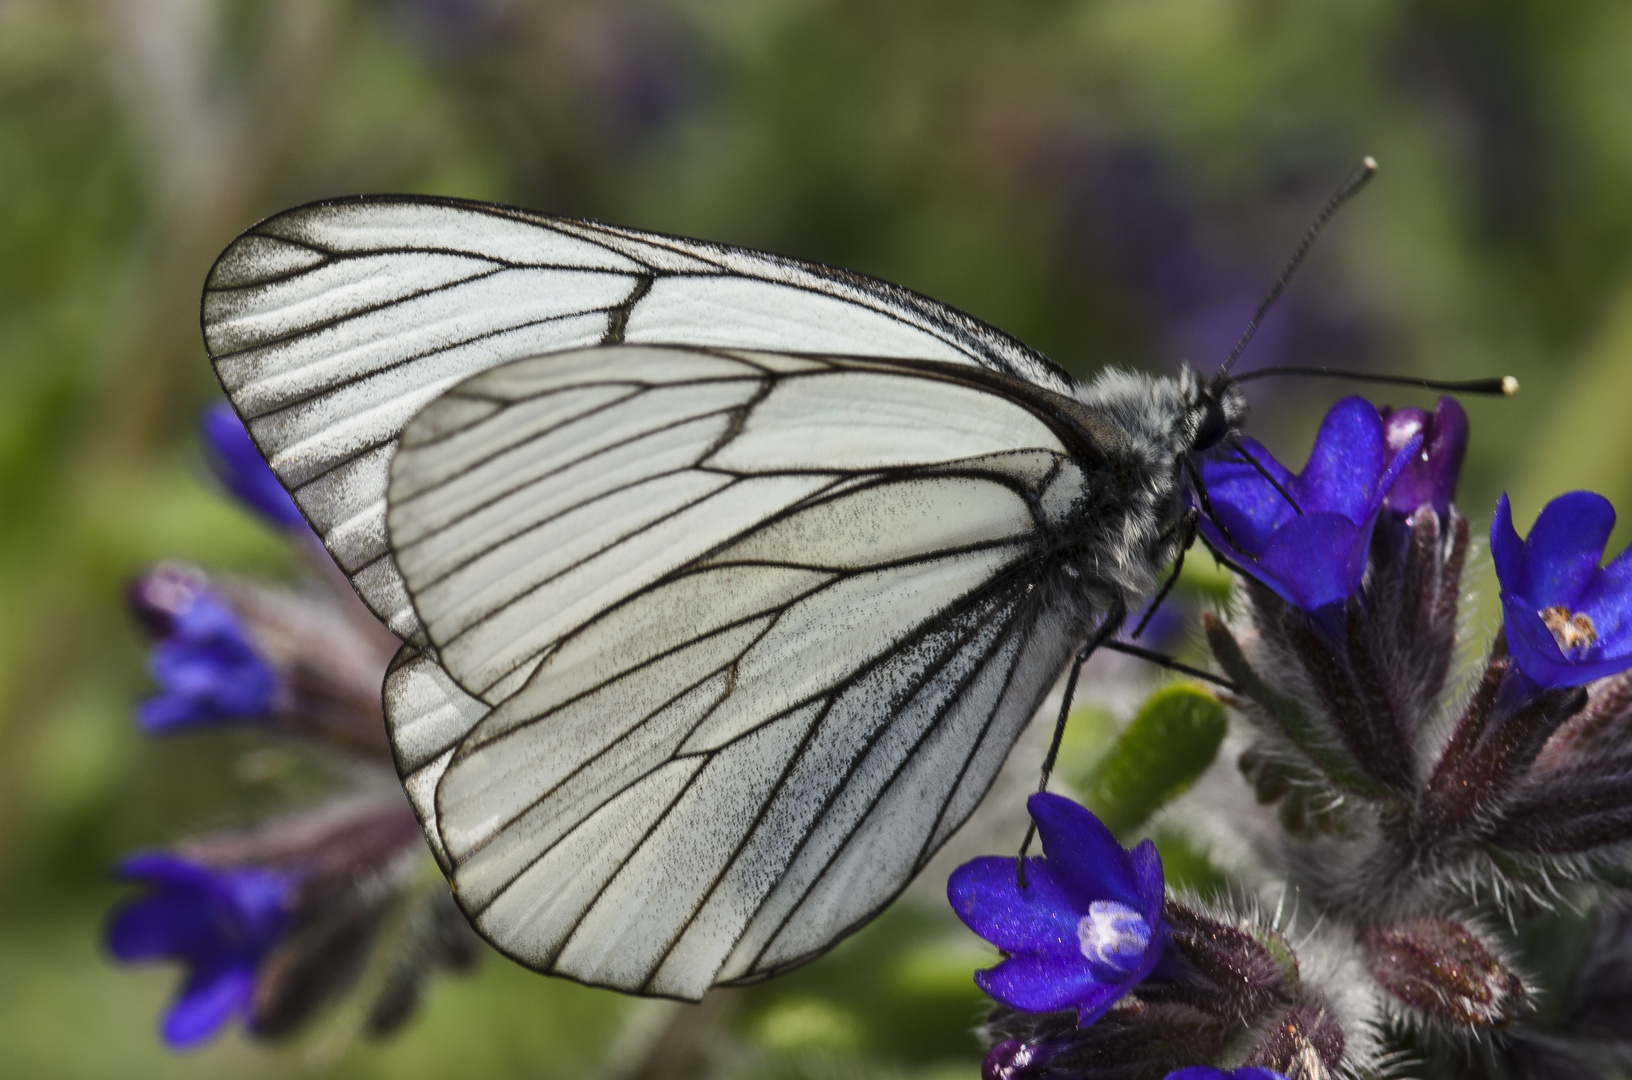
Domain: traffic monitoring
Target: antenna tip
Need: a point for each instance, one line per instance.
(1368, 163)
(1510, 386)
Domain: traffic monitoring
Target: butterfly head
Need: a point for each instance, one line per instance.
(1214, 412)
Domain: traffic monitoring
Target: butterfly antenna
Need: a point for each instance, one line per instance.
(1351, 187)
(1505, 386)
(1239, 447)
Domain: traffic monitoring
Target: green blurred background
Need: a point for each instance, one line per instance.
(1114, 181)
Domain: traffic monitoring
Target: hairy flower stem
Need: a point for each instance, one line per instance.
(1286, 717)
(1506, 724)
(1353, 695)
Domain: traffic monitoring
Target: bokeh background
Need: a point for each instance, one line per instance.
(1111, 181)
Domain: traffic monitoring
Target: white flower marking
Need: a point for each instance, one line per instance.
(1113, 934)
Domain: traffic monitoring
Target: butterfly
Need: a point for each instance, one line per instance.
(725, 581)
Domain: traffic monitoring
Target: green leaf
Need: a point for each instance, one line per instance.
(1090, 731)
(1171, 742)
(1186, 864)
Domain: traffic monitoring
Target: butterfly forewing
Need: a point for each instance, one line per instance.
(330, 326)
(755, 632)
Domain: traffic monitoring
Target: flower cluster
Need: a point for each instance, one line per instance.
(273, 921)
(1413, 818)
(1105, 975)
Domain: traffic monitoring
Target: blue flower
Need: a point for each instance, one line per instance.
(1315, 557)
(1207, 1072)
(1084, 930)
(238, 465)
(1429, 478)
(220, 923)
(204, 662)
(1569, 620)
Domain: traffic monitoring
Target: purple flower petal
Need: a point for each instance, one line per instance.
(1248, 504)
(160, 868)
(218, 922)
(1148, 881)
(259, 899)
(1046, 984)
(1507, 550)
(1555, 571)
(1430, 480)
(1564, 547)
(1040, 918)
(240, 468)
(207, 1003)
(1347, 459)
(1316, 559)
(207, 668)
(1086, 928)
(1082, 851)
(1400, 426)
(1537, 653)
(1391, 475)
(1607, 600)
(154, 928)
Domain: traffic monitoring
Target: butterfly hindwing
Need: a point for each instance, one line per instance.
(748, 633)
(331, 325)
(428, 716)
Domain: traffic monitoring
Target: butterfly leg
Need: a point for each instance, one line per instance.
(1190, 523)
(1165, 661)
(1102, 634)
(1200, 487)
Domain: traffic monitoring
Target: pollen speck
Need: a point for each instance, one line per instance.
(1572, 632)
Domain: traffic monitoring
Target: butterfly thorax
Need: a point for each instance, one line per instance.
(1130, 526)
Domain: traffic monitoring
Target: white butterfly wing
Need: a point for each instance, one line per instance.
(333, 324)
(739, 639)
(428, 716)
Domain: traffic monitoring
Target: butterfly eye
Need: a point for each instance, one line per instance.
(1213, 426)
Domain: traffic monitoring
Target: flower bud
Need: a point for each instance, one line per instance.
(1429, 478)
(1134, 1039)
(1306, 1042)
(1012, 1059)
(1439, 968)
(1578, 794)
(1230, 968)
